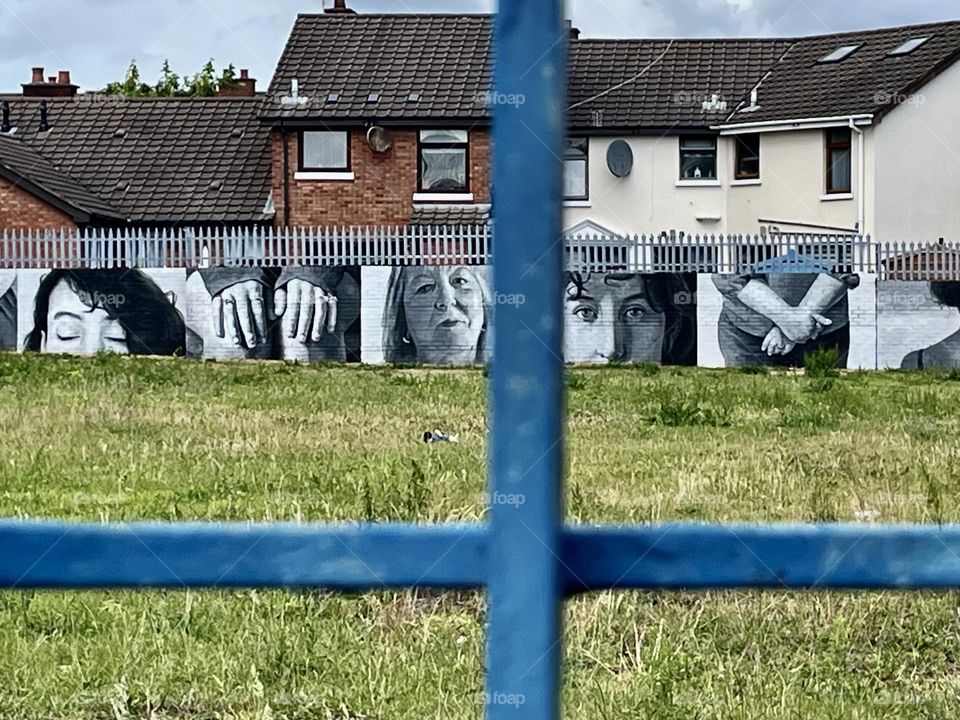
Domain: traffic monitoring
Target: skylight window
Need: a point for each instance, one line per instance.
(841, 53)
(908, 47)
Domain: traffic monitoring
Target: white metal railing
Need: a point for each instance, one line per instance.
(472, 245)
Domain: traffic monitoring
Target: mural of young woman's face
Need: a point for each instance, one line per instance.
(76, 328)
(444, 312)
(609, 317)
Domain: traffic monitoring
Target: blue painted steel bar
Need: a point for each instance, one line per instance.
(524, 642)
(683, 556)
(348, 557)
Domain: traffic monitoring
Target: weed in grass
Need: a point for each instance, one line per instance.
(822, 363)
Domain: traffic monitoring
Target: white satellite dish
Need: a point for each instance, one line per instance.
(379, 140)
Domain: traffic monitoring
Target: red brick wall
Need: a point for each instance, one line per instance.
(381, 194)
(19, 210)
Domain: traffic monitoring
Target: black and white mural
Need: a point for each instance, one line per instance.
(432, 314)
(8, 310)
(918, 324)
(630, 317)
(775, 315)
(83, 312)
(304, 314)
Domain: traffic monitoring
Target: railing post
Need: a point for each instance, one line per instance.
(527, 386)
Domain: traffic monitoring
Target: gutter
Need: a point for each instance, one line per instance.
(815, 123)
(862, 177)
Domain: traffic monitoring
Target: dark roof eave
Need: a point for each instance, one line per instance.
(79, 215)
(354, 121)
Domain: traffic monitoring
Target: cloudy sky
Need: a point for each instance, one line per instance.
(96, 39)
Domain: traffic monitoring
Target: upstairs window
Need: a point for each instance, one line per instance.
(575, 166)
(698, 158)
(839, 161)
(840, 54)
(908, 47)
(443, 161)
(748, 157)
(322, 150)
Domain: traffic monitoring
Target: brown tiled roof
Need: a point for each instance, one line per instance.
(450, 214)
(188, 160)
(444, 59)
(633, 84)
(868, 81)
(663, 83)
(25, 167)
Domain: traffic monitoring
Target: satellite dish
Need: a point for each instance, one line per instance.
(620, 158)
(379, 140)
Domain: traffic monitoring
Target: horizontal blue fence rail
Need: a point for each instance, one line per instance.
(371, 557)
(525, 557)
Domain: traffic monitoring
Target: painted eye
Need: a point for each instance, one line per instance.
(425, 289)
(586, 313)
(67, 337)
(633, 312)
(459, 282)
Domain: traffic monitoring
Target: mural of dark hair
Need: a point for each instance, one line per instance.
(672, 294)
(152, 324)
(946, 292)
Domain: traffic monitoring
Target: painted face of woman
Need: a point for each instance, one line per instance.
(609, 318)
(76, 328)
(444, 313)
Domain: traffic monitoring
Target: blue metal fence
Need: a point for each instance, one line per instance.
(525, 557)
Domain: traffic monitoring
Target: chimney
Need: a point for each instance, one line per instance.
(572, 32)
(244, 86)
(58, 86)
(340, 8)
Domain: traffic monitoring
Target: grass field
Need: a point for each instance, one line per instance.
(123, 439)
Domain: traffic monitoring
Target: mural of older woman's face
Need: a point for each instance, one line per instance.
(76, 328)
(609, 317)
(444, 312)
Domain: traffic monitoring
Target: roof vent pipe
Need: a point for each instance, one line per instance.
(5, 125)
(44, 125)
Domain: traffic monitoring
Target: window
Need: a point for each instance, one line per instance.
(443, 161)
(698, 158)
(324, 150)
(908, 47)
(841, 53)
(575, 165)
(838, 161)
(748, 157)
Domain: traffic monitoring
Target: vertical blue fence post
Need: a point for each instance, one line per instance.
(527, 386)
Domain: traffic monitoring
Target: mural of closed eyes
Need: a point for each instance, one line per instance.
(306, 314)
(946, 352)
(437, 314)
(629, 317)
(83, 312)
(8, 310)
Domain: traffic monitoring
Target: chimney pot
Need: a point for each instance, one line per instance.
(63, 77)
(52, 79)
(340, 7)
(37, 76)
(244, 86)
(244, 74)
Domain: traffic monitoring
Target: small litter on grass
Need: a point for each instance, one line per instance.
(438, 437)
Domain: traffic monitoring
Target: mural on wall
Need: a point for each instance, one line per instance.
(83, 312)
(306, 314)
(630, 317)
(436, 314)
(918, 324)
(8, 310)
